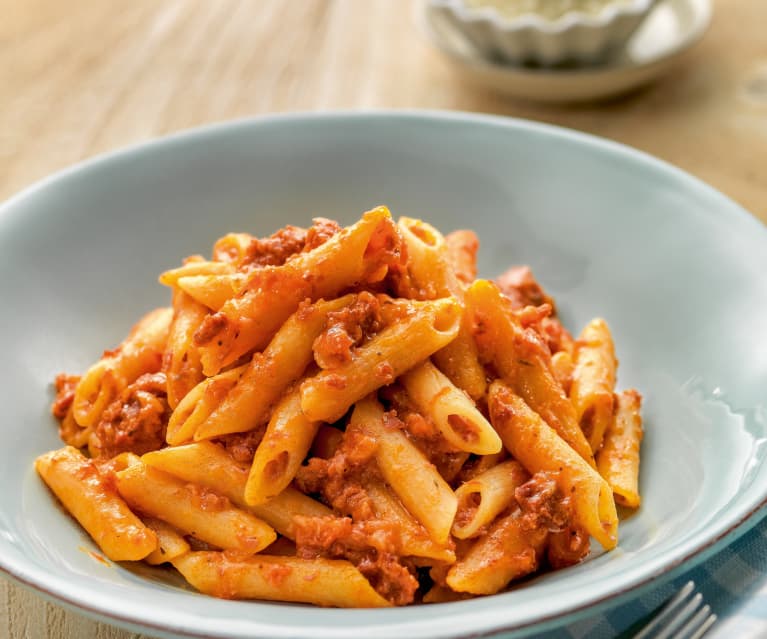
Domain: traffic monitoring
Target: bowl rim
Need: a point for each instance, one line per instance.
(214, 129)
(748, 514)
(568, 21)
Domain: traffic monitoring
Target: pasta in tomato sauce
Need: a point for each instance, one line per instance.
(349, 417)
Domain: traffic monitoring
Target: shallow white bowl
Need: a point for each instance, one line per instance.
(576, 38)
(676, 268)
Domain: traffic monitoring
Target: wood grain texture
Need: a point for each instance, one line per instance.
(83, 77)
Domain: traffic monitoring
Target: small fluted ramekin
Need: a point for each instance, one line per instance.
(574, 39)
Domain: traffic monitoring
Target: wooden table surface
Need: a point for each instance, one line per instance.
(82, 77)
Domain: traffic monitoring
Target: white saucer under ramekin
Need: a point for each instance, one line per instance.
(672, 27)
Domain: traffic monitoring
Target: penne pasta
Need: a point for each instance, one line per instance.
(539, 448)
(347, 417)
(71, 433)
(170, 543)
(432, 276)
(562, 366)
(212, 290)
(414, 540)
(428, 267)
(141, 352)
(181, 363)
(453, 413)
(232, 248)
(593, 381)
(462, 247)
(485, 496)
(210, 466)
(198, 404)
(284, 446)
(358, 254)
(415, 481)
(323, 582)
(195, 267)
(618, 459)
(425, 329)
(193, 510)
(510, 550)
(250, 400)
(76, 481)
(523, 362)
(459, 361)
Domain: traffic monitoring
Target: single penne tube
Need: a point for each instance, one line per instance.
(591, 391)
(141, 352)
(250, 401)
(198, 404)
(193, 510)
(71, 433)
(538, 447)
(451, 411)
(233, 248)
(618, 459)
(432, 276)
(279, 455)
(358, 254)
(194, 267)
(425, 328)
(412, 477)
(209, 465)
(413, 538)
(459, 361)
(562, 366)
(170, 542)
(96, 390)
(323, 582)
(559, 337)
(94, 503)
(522, 359)
(484, 497)
(279, 511)
(181, 362)
(428, 267)
(212, 290)
(508, 551)
(462, 247)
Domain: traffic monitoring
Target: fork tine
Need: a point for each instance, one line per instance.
(681, 617)
(694, 624)
(706, 625)
(668, 611)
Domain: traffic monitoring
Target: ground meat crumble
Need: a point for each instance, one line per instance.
(135, 422)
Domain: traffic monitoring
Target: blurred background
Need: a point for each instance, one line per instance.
(81, 77)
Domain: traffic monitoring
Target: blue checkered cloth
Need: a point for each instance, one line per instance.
(733, 582)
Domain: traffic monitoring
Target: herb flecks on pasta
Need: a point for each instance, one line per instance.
(348, 417)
